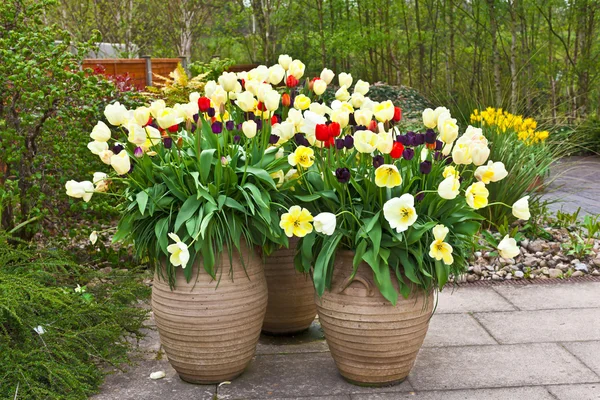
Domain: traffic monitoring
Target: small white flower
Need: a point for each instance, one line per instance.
(325, 223)
(180, 254)
(79, 289)
(521, 208)
(39, 330)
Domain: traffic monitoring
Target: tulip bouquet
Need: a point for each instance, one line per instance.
(194, 178)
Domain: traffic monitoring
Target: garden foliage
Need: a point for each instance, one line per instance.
(55, 337)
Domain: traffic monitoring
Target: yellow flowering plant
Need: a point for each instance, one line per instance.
(406, 203)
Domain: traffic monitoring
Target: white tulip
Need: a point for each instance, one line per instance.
(121, 163)
(297, 69)
(276, 74)
(105, 156)
(400, 212)
(246, 101)
(449, 188)
(137, 134)
(271, 100)
(319, 87)
(157, 106)
(97, 147)
(209, 89)
(520, 208)
(507, 248)
(100, 180)
(429, 118)
(141, 115)
(193, 97)
(100, 132)
(284, 60)
(249, 128)
(116, 114)
(227, 80)
(325, 223)
(361, 87)
(327, 75)
(345, 79)
(80, 190)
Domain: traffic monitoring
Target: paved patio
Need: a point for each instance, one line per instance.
(533, 342)
(575, 182)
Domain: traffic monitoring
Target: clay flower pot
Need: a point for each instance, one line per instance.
(291, 307)
(372, 342)
(210, 333)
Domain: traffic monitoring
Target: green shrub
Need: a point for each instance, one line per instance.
(55, 337)
(212, 69)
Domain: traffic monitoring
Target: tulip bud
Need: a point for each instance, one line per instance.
(319, 87)
(291, 81)
(327, 75)
(285, 100)
(397, 114)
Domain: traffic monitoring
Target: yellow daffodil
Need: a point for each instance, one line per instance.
(439, 249)
(400, 212)
(296, 222)
(477, 195)
(303, 156)
(387, 175)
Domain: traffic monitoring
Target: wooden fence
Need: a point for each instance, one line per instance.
(140, 70)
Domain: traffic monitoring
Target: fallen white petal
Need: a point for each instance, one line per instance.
(157, 375)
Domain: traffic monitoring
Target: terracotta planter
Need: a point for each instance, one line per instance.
(372, 342)
(210, 333)
(291, 307)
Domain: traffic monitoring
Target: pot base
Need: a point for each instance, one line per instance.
(374, 384)
(284, 333)
(190, 379)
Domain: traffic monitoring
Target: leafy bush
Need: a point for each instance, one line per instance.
(47, 110)
(212, 69)
(177, 87)
(53, 338)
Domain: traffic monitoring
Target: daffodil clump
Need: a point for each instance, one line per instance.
(525, 128)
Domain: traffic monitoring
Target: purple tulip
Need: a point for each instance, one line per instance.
(420, 196)
(425, 167)
(236, 139)
(195, 117)
(339, 143)
(419, 139)
(342, 175)
(259, 124)
(408, 154)
(117, 148)
(430, 136)
(168, 142)
(438, 156)
(378, 161)
(229, 125)
(211, 112)
(301, 140)
(439, 145)
(358, 128)
(138, 152)
(217, 127)
(405, 140)
(349, 142)
(273, 139)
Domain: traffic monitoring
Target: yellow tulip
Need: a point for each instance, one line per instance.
(387, 175)
(439, 249)
(296, 222)
(303, 156)
(477, 195)
(301, 102)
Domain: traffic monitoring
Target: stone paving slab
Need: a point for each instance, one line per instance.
(341, 397)
(455, 330)
(542, 325)
(532, 393)
(306, 375)
(136, 384)
(470, 299)
(544, 297)
(309, 341)
(576, 392)
(587, 352)
(497, 366)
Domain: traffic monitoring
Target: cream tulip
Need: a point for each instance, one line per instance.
(327, 75)
(249, 128)
(384, 111)
(449, 188)
(297, 69)
(227, 80)
(400, 212)
(363, 117)
(492, 172)
(100, 132)
(365, 141)
(271, 100)
(507, 248)
(479, 153)
(121, 162)
(80, 190)
(136, 134)
(180, 254)
(101, 182)
(357, 100)
(246, 101)
(276, 74)
(105, 156)
(361, 87)
(429, 118)
(342, 94)
(520, 208)
(325, 223)
(284, 60)
(156, 107)
(141, 115)
(345, 79)
(116, 114)
(319, 87)
(97, 147)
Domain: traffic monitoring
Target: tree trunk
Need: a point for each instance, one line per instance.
(495, 54)
(513, 57)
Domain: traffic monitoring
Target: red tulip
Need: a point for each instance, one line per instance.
(261, 106)
(322, 132)
(286, 100)
(397, 150)
(397, 114)
(274, 120)
(204, 104)
(173, 128)
(373, 126)
(291, 81)
(329, 142)
(334, 129)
